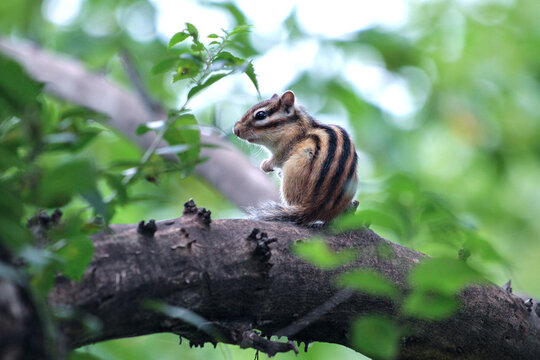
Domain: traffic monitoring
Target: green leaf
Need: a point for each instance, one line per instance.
(348, 222)
(213, 36)
(183, 131)
(142, 129)
(443, 275)
(115, 182)
(211, 80)
(175, 149)
(43, 280)
(178, 38)
(164, 65)
(17, 89)
(369, 282)
(9, 159)
(379, 218)
(317, 252)
(192, 30)
(70, 243)
(429, 305)
(149, 126)
(240, 29)
(185, 315)
(93, 197)
(69, 141)
(198, 47)
(482, 248)
(188, 67)
(77, 254)
(250, 72)
(14, 234)
(59, 184)
(229, 59)
(376, 337)
(77, 112)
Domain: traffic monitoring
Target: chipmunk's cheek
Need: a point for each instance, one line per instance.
(252, 138)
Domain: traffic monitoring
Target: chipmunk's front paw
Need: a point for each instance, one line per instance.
(267, 165)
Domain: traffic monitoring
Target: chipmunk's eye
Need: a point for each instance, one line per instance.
(260, 115)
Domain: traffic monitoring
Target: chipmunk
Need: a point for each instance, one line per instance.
(318, 161)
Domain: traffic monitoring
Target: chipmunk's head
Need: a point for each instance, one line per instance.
(270, 121)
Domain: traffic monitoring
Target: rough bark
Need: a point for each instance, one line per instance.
(68, 79)
(238, 280)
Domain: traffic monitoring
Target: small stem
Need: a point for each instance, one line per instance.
(159, 136)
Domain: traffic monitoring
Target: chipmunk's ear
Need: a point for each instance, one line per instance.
(287, 99)
(275, 97)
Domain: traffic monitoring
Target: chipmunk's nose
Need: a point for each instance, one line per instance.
(236, 131)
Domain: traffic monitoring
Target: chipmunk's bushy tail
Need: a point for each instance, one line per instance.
(273, 211)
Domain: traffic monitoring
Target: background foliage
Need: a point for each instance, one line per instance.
(453, 173)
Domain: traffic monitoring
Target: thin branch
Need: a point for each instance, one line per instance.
(151, 104)
(315, 314)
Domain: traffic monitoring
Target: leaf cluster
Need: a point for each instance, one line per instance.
(205, 64)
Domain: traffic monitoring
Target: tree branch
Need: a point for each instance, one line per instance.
(68, 79)
(222, 272)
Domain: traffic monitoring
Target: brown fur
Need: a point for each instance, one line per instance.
(318, 161)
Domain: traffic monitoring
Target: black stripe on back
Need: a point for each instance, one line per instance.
(317, 140)
(344, 156)
(345, 153)
(347, 182)
(332, 143)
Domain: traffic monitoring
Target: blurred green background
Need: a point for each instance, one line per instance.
(442, 98)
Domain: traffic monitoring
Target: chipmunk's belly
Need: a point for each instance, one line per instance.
(297, 182)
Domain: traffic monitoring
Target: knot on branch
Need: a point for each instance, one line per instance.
(529, 304)
(42, 222)
(202, 215)
(42, 219)
(508, 287)
(148, 229)
(190, 207)
(262, 251)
